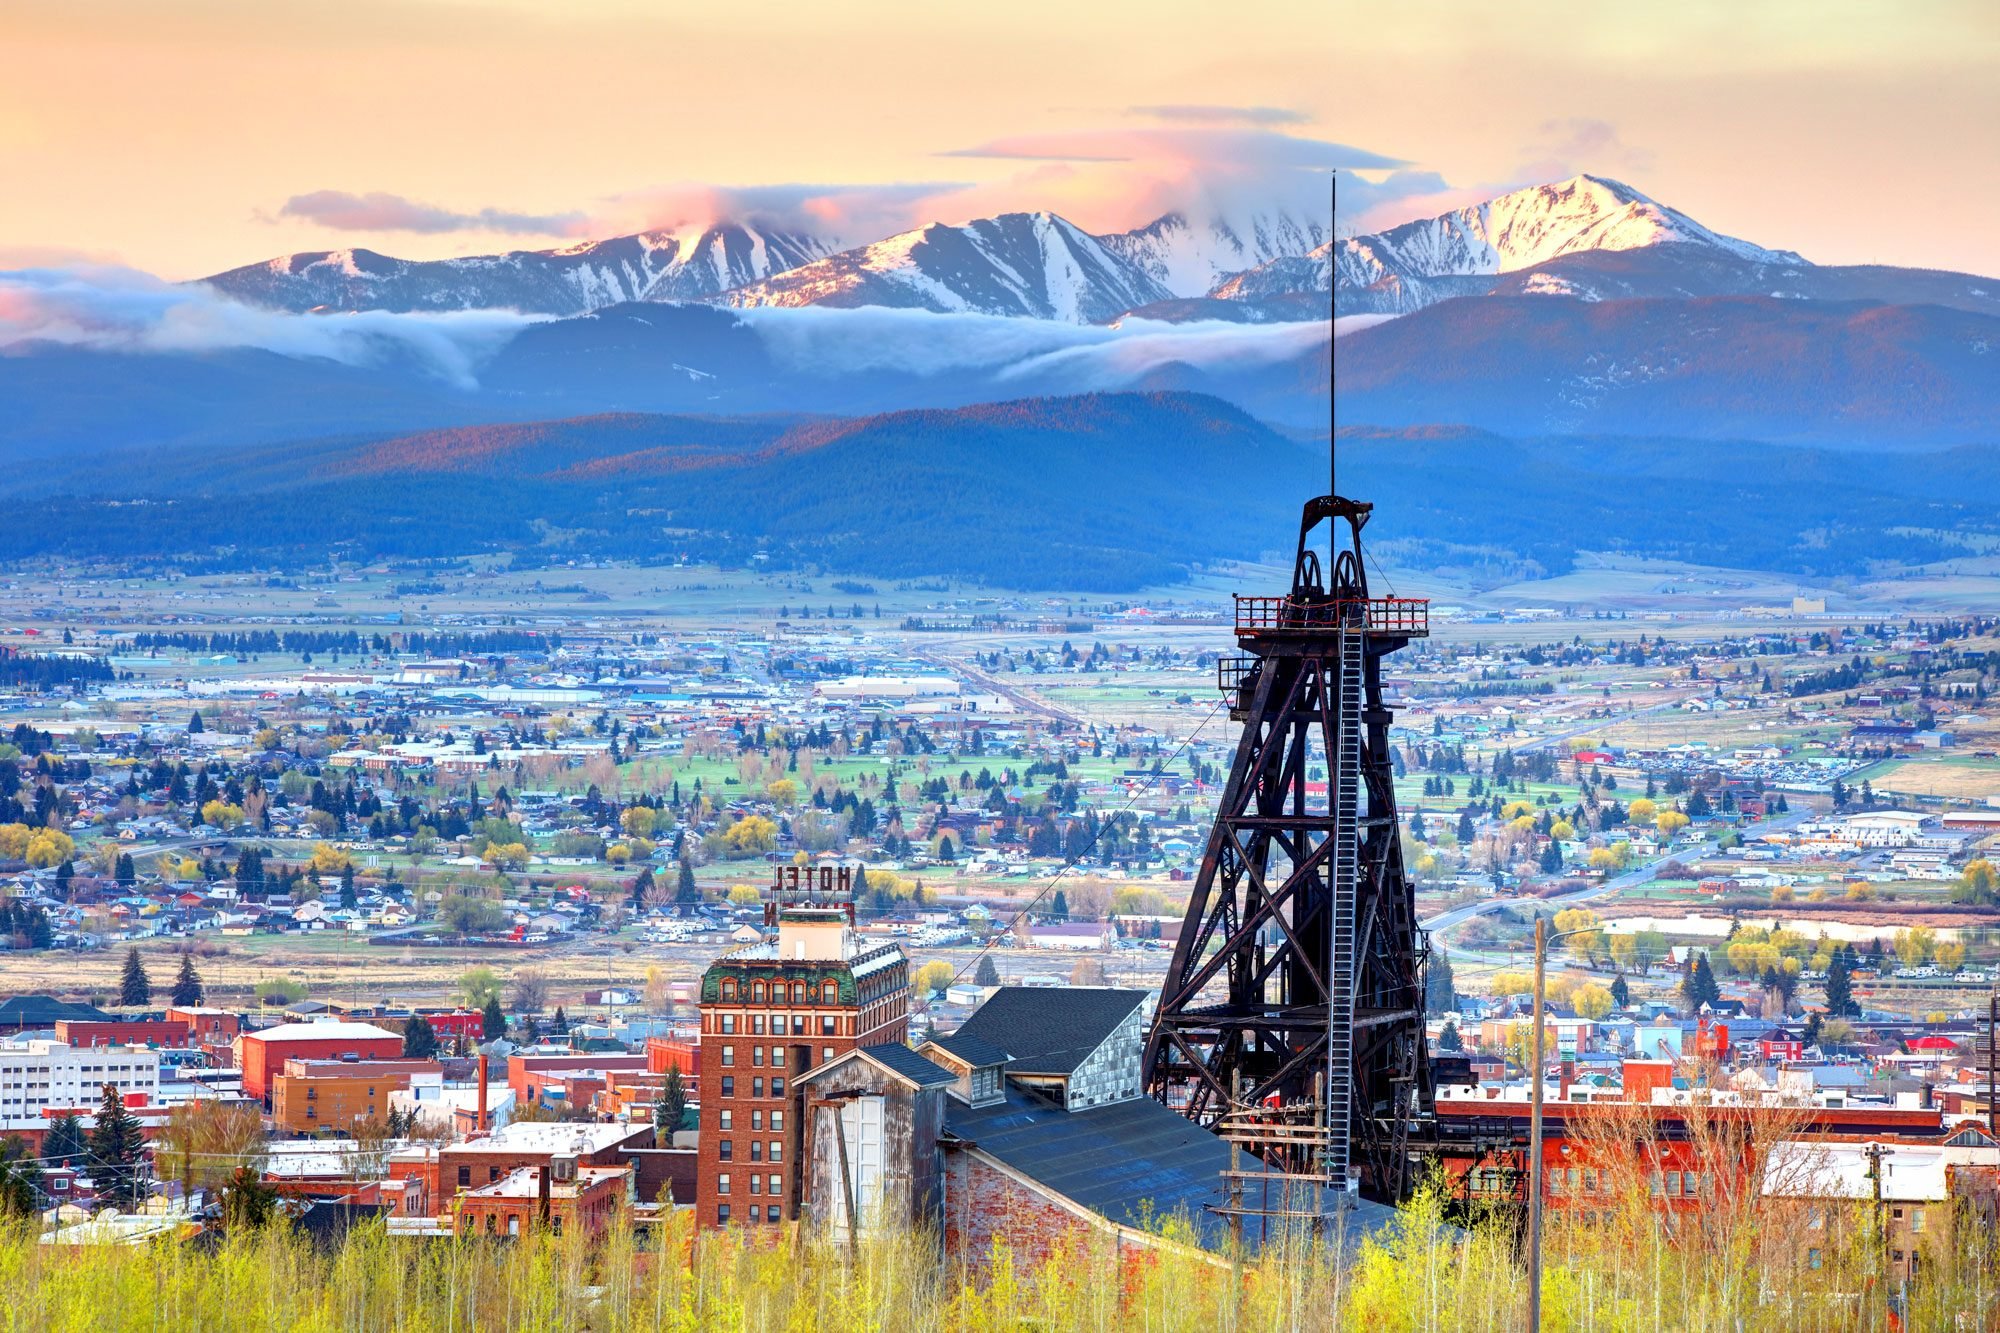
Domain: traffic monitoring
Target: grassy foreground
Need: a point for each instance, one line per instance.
(1752, 1270)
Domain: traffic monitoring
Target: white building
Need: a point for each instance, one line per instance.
(41, 1076)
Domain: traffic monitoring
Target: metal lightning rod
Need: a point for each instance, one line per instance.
(1332, 340)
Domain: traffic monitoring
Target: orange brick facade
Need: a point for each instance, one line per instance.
(764, 1021)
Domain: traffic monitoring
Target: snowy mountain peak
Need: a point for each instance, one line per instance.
(1190, 255)
(572, 280)
(1037, 265)
(1532, 226)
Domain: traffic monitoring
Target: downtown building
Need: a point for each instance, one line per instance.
(770, 1013)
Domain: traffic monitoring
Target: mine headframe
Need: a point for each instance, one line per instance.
(1291, 1018)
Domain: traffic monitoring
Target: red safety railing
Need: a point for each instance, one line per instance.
(1380, 615)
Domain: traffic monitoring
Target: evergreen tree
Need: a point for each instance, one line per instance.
(247, 1201)
(1448, 1038)
(195, 725)
(20, 1180)
(1621, 994)
(1440, 997)
(64, 1142)
(986, 974)
(1698, 985)
(493, 1020)
(1465, 829)
(1840, 987)
(135, 988)
(348, 898)
(672, 1106)
(117, 1153)
(420, 1040)
(187, 986)
(125, 871)
(1059, 907)
(561, 1022)
(685, 889)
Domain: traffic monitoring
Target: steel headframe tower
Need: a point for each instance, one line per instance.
(1291, 1019)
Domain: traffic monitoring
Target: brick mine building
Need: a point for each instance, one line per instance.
(771, 1012)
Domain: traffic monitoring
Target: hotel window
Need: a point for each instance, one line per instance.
(777, 1121)
(756, 1183)
(777, 1087)
(826, 1026)
(756, 1087)
(722, 1182)
(721, 1213)
(725, 1150)
(728, 1086)
(777, 1151)
(723, 1119)
(777, 1057)
(830, 993)
(728, 1057)
(728, 990)
(728, 1025)
(757, 1024)
(757, 1056)
(756, 1150)
(798, 992)
(757, 992)
(756, 1120)
(826, 1052)
(777, 1187)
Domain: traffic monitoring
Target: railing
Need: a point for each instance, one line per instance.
(1379, 615)
(1230, 672)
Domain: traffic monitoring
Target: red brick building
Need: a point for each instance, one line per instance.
(262, 1055)
(563, 1196)
(770, 1012)
(171, 1032)
(530, 1076)
(206, 1026)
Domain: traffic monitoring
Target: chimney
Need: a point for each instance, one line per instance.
(1568, 1078)
(541, 1192)
(480, 1126)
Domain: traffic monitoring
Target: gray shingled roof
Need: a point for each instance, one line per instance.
(923, 1072)
(1128, 1161)
(972, 1050)
(1050, 1029)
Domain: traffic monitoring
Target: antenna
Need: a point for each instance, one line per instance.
(1332, 338)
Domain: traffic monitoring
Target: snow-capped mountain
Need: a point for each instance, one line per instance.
(1410, 266)
(649, 266)
(1028, 264)
(1189, 257)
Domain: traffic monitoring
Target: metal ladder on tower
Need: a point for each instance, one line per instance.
(1345, 790)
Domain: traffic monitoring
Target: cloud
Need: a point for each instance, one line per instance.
(122, 310)
(1245, 146)
(1196, 114)
(829, 343)
(379, 211)
(848, 213)
(1578, 144)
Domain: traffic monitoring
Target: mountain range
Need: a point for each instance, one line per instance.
(785, 365)
(1589, 238)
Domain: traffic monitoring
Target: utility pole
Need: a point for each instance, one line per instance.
(1535, 1135)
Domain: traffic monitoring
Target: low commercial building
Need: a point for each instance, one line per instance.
(261, 1055)
(564, 1197)
(38, 1078)
(311, 1096)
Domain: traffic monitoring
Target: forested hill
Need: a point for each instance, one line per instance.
(1098, 491)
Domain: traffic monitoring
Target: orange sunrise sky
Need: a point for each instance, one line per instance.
(188, 136)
